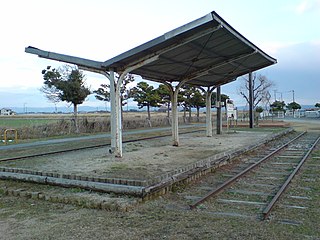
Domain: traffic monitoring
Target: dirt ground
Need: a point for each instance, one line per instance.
(305, 124)
(142, 160)
(33, 219)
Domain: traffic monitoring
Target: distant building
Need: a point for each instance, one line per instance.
(298, 113)
(163, 108)
(312, 113)
(7, 112)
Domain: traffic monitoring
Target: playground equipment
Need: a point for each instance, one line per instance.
(5, 135)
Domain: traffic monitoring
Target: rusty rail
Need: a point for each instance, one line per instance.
(236, 177)
(270, 206)
(88, 147)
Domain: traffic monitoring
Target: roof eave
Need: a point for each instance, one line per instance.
(226, 25)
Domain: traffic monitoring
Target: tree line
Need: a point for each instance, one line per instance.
(68, 84)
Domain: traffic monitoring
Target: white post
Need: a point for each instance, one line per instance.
(175, 112)
(118, 138)
(208, 112)
(113, 111)
(219, 114)
(175, 118)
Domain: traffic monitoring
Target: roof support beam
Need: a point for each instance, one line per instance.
(212, 54)
(173, 61)
(206, 70)
(177, 44)
(198, 82)
(148, 75)
(65, 58)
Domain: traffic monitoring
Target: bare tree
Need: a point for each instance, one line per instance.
(261, 86)
(52, 94)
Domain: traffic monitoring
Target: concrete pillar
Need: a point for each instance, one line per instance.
(118, 150)
(112, 111)
(208, 112)
(116, 125)
(174, 91)
(175, 118)
(219, 115)
(115, 102)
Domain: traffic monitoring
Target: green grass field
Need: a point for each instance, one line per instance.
(24, 122)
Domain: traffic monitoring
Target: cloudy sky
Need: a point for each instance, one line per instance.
(288, 30)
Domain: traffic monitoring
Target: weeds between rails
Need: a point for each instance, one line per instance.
(299, 147)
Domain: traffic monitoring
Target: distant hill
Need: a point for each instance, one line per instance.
(96, 109)
(66, 109)
(307, 106)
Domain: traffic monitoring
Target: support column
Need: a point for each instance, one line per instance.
(175, 119)
(112, 111)
(115, 102)
(251, 113)
(219, 115)
(116, 125)
(208, 112)
(118, 138)
(118, 150)
(175, 113)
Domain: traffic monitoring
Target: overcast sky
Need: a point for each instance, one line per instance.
(288, 30)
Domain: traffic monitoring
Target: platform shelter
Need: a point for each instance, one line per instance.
(206, 52)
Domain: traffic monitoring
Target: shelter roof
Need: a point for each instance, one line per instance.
(206, 52)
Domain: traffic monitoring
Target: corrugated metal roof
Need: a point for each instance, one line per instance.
(207, 51)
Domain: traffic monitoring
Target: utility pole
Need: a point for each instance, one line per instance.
(281, 99)
(292, 95)
(251, 117)
(219, 115)
(25, 108)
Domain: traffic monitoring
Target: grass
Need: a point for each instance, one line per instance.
(30, 219)
(24, 122)
(119, 166)
(41, 126)
(19, 121)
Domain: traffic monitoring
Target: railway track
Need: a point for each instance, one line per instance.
(252, 186)
(88, 147)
